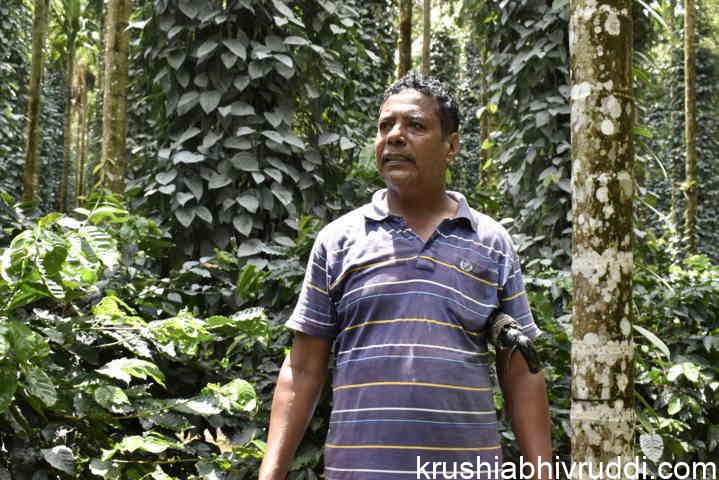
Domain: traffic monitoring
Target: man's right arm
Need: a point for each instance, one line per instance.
(299, 384)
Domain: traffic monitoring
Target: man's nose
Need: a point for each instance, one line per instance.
(396, 133)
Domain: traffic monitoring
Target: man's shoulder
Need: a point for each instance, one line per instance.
(491, 231)
(348, 225)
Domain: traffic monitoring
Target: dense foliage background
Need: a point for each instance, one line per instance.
(140, 331)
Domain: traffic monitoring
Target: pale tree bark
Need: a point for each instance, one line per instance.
(113, 160)
(426, 35)
(81, 132)
(32, 135)
(602, 413)
(690, 128)
(67, 127)
(404, 43)
(675, 163)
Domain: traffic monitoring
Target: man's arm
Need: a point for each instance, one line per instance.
(299, 384)
(525, 400)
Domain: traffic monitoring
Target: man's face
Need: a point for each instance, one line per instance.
(411, 151)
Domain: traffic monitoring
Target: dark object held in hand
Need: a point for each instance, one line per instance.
(507, 333)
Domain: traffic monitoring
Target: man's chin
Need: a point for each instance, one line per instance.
(399, 180)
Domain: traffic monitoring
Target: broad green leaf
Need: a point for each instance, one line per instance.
(282, 193)
(210, 100)
(204, 213)
(273, 135)
(674, 406)
(242, 131)
(249, 203)
(8, 385)
(125, 368)
(241, 82)
(111, 397)
(176, 59)
(166, 177)
(691, 371)
(185, 216)
(652, 446)
(151, 442)
(26, 344)
(286, 60)
(61, 458)
(39, 384)
(198, 406)
(218, 180)
(187, 101)
(249, 247)
(234, 397)
(195, 186)
(183, 197)
(245, 161)
(205, 49)
(275, 119)
(327, 138)
(237, 143)
(297, 41)
(237, 47)
(243, 224)
(240, 109)
(4, 342)
(185, 156)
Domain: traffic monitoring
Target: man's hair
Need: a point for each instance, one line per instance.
(448, 109)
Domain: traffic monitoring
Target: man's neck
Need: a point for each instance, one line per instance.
(427, 204)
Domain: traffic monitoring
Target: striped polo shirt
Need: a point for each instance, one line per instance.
(408, 321)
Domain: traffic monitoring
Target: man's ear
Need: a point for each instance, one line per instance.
(453, 151)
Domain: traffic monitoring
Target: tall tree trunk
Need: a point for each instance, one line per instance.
(426, 35)
(404, 44)
(114, 112)
(67, 127)
(675, 162)
(34, 102)
(602, 414)
(690, 128)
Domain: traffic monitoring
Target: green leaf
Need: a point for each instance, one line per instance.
(8, 385)
(250, 247)
(39, 384)
(166, 177)
(249, 203)
(195, 186)
(656, 341)
(237, 47)
(205, 49)
(183, 197)
(282, 193)
(273, 135)
(240, 109)
(185, 216)
(204, 213)
(691, 372)
(243, 224)
(61, 458)
(674, 406)
(125, 368)
(185, 156)
(327, 138)
(234, 397)
(218, 180)
(176, 59)
(187, 101)
(652, 446)
(241, 82)
(111, 397)
(245, 161)
(210, 100)
(297, 41)
(26, 344)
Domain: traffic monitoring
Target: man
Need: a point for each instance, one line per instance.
(404, 288)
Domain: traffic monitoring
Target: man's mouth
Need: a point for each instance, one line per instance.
(395, 158)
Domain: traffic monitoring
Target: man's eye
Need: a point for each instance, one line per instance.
(415, 125)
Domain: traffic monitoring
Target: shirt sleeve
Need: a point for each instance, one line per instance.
(513, 296)
(314, 312)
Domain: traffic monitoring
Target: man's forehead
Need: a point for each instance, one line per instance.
(409, 101)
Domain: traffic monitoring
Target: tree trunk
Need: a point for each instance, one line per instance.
(426, 35)
(114, 112)
(602, 414)
(404, 45)
(67, 127)
(690, 128)
(34, 102)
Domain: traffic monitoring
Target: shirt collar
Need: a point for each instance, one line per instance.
(378, 208)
